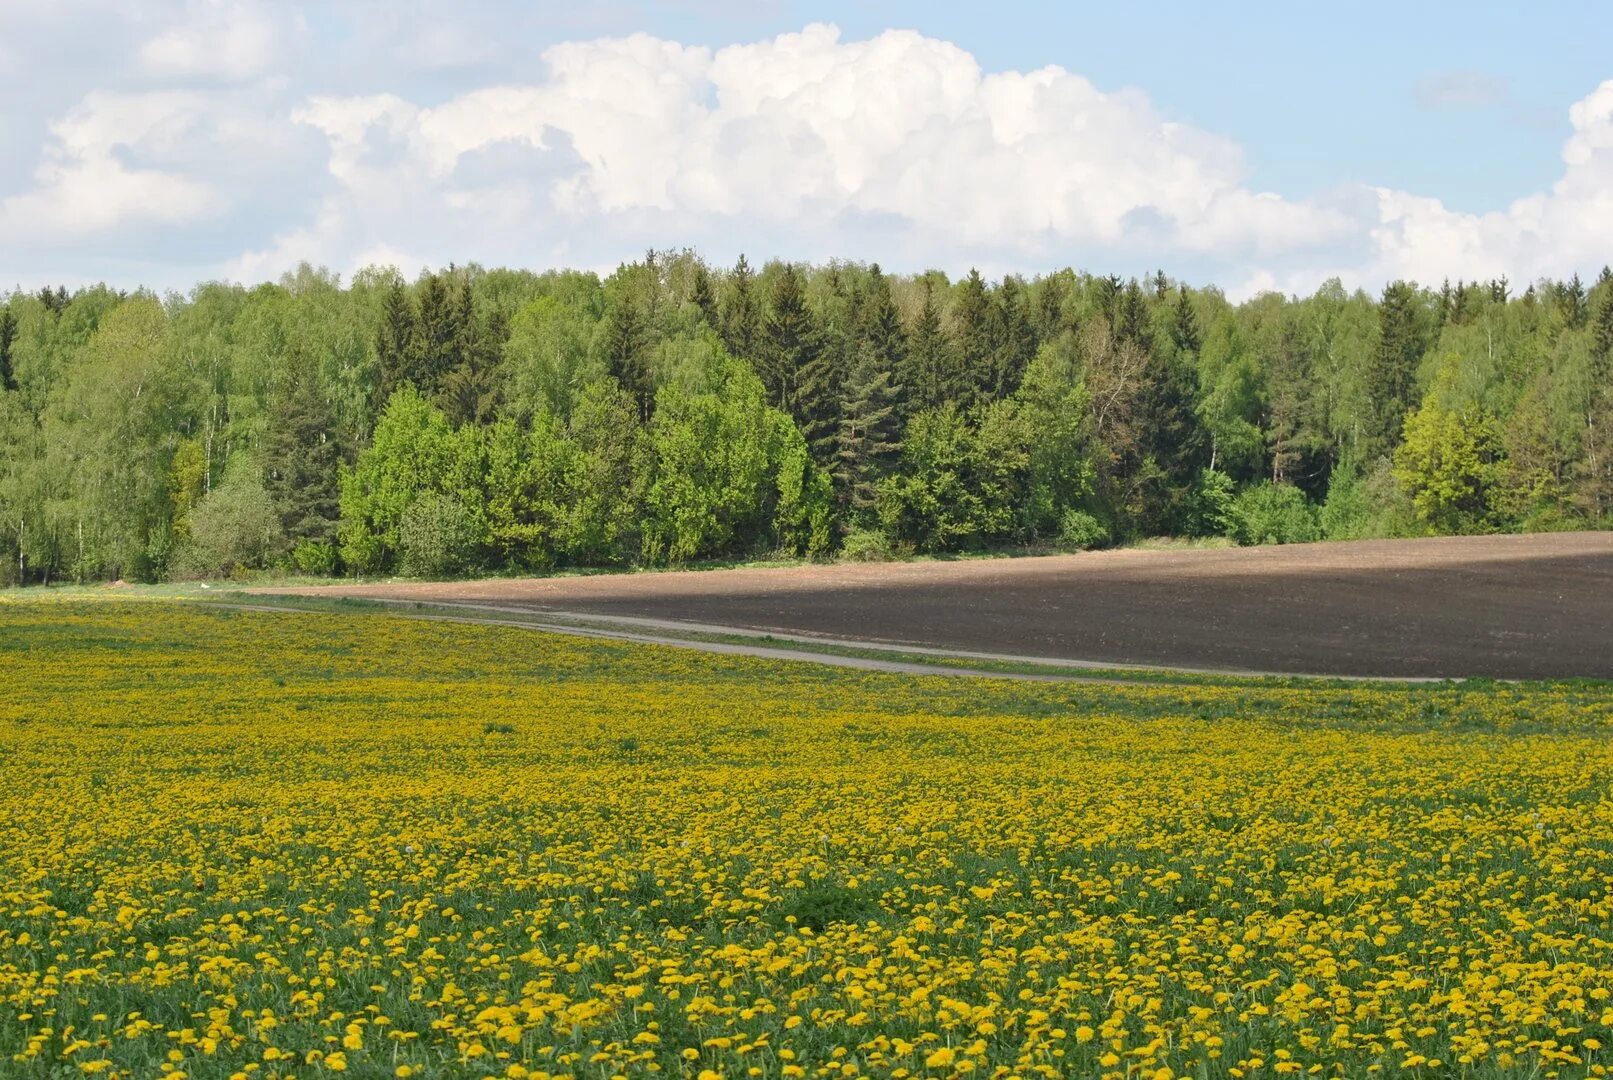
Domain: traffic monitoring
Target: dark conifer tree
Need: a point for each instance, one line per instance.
(741, 313)
(1393, 369)
(1106, 296)
(434, 347)
(1185, 327)
(928, 379)
(702, 296)
(1132, 324)
(626, 346)
(8, 336)
(1050, 309)
(796, 367)
(972, 340)
(1013, 337)
(394, 342)
(469, 393)
(1574, 302)
(866, 442)
(301, 456)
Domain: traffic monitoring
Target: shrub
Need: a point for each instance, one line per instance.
(315, 557)
(232, 527)
(435, 537)
(1079, 530)
(866, 545)
(1273, 514)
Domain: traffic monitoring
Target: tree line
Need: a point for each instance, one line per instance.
(487, 420)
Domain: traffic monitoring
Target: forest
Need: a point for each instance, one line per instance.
(497, 421)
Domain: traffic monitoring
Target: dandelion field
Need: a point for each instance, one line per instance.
(274, 845)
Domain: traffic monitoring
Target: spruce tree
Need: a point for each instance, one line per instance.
(1393, 368)
(702, 296)
(626, 345)
(927, 378)
(394, 339)
(469, 392)
(434, 347)
(796, 366)
(1185, 328)
(302, 456)
(1574, 302)
(972, 340)
(1014, 338)
(1132, 320)
(879, 328)
(8, 336)
(865, 444)
(741, 316)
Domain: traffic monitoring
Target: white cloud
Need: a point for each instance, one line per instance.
(85, 183)
(1546, 234)
(216, 39)
(804, 136)
(898, 148)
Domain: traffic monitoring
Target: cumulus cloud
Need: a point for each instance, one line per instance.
(86, 183)
(1550, 233)
(899, 147)
(808, 137)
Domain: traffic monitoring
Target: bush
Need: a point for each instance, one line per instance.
(233, 527)
(435, 537)
(1273, 514)
(314, 557)
(866, 545)
(1079, 530)
(1368, 507)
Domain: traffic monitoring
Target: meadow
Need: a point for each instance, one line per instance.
(272, 845)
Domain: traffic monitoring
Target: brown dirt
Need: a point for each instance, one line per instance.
(1501, 606)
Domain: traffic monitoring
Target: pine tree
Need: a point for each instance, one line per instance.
(1014, 338)
(1393, 368)
(469, 393)
(865, 445)
(8, 336)
(394, 346)
(741, 318)
(1574, 302)
(702, 296)
(1132, 324)
(1602, 336)
(879, 328)
(434, 347)
(1185, 328)
(1050, 313)
(971, 337)
(796, 367)
(301, 456)
(928, 379)
(1106, 296)
(626, 348)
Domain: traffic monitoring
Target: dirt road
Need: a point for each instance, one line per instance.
(1504, 606)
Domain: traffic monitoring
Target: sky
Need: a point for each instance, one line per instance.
(1253, 146)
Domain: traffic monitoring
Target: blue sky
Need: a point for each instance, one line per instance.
(1257, 145)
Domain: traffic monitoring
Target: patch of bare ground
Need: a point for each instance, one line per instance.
(1538, 606)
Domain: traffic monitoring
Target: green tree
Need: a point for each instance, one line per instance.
(1392, 378)
(795, 366)
(1451, 465)
(302, 459)
(866, 444)
(8, 337)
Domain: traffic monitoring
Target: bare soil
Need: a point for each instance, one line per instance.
(1461, 607)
